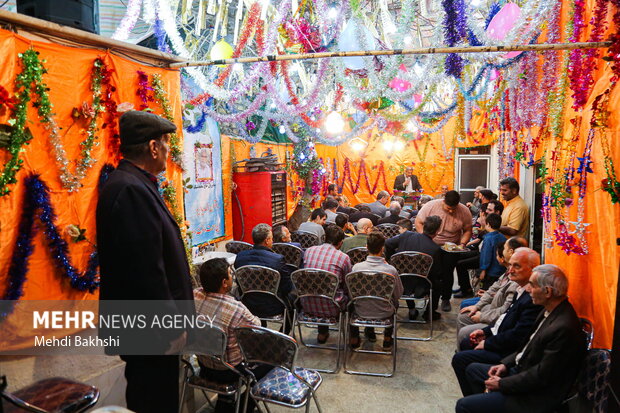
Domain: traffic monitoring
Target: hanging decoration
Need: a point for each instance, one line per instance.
(160, 96)
(362, 170)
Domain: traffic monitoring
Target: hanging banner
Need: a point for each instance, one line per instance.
(204, 202)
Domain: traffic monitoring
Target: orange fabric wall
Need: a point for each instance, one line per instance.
(68, 77)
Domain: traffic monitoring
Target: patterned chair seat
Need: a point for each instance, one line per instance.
(58, 395)
(358, 319)
(280, 385)
(310, 318)
(198, 381)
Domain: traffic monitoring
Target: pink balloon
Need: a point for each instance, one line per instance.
(502, 23)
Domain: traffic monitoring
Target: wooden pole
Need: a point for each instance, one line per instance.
(34, 25)
(395, 52)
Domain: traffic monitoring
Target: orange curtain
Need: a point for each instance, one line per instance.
(68, 79)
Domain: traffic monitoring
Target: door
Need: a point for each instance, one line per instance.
(471, 171)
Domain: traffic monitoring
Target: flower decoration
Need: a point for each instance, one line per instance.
(124, 107)
(76, 233)
(6, 100)
(302, 36)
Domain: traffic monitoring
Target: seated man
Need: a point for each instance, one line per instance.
(343, 205)
(261, 254)
(211, 299)
(394, 214)
(328, 257)
(376, 262)
(330, 206)
(405, 225)
(378, 207)
(332, 190)
(282, 235)
(364, 227)
(315, 224)
(404, 213)
(343, 222)
(420, 242)
(538, 375)
(364, 212)
(510, 331)
(493, 302)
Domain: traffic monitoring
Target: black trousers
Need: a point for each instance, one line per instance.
(448, 263)
(467, 261)
(152, 383)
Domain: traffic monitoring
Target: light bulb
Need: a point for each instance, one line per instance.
(334, 124)
(399, 145)
(388, 146)
(282, 129)
(357, 146)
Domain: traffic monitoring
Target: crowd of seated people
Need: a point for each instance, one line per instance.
(511, 336)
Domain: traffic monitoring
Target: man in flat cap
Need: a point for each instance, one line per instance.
(142, 257)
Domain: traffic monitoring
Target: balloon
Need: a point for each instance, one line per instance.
(349, 41)
(502, 23)
(221, 50)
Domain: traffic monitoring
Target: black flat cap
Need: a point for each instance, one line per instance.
(139, 127)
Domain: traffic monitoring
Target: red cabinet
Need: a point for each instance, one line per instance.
(260, 198)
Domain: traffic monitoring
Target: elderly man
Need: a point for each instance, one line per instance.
(456, 227)
(474, 205)
(376, 262)
(281, 234)
(494, 302)
(516, 215)
(394, 214)
(328, 257)
(444, 191)
(262, 254)
(142, 256)
(538, 375)
(378, 207)
(364, 227)
(420, 242)
(407, 182)
(511, 329)
(315, 225)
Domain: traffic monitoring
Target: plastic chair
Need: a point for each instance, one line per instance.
(306, 239)
(421, 288)
(291, 253)
(317, 288)
(211, 343)
(53, 395)
(256, 279)
(235, 247)
(389, 230)
(365, 286)
(358, 254)
(411, 262)
(285, 385)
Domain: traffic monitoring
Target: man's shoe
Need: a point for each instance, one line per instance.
(413, 314)
(354, 342)
(436, 316)
(369, 332)
(445, 306)
(464, 294)
(388, 342)
(322, 338)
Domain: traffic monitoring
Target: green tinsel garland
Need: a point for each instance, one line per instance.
(160, 96)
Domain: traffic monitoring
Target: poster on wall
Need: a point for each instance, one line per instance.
(204, 200)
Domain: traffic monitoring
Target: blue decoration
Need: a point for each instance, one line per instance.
(494, 9)
(37, 204)
(160, 34)
(455, 30)
(200, 124)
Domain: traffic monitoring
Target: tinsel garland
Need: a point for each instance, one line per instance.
(110, 119)
(37, 205)
(144, 89)
(346, 177)
(455, 30)
(160, 96)
(307, 163)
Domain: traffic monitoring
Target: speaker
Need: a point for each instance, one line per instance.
(80, 14)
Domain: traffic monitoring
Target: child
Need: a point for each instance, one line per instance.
(490, 267)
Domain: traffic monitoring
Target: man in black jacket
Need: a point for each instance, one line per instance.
(262, 254)
(142, 257)
(512, 328)
(407, 182)
(414, 241)
(539, 374)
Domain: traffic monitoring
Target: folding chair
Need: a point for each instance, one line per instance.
(357, 254)
(366, 286)
(292, 254)
(53, 395)
(211, 343)
(306, 239)
(285, 385)
(389, 230)
(235, 247)
(414, 268)
(316, 296)
(256, 280)
(588, 330)
(592, 387)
